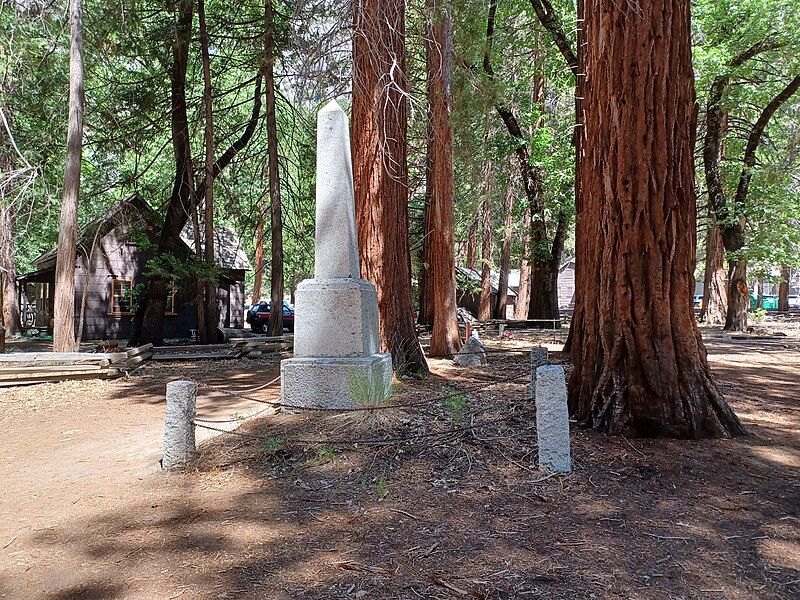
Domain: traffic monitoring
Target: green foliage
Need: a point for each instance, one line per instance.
(456, 405)
(273, 445)
(324, 453)
(381, 486)
(369, 391)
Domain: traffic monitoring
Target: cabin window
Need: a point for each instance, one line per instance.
(171, 289)
(121, 297)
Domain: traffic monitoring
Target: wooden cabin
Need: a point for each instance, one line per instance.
(110, 264)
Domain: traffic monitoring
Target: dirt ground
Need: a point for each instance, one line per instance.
(441, 499)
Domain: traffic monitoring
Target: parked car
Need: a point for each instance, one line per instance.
(258, 316)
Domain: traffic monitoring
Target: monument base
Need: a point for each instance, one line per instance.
(345, 382)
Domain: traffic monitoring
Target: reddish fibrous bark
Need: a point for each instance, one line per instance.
(440, 259)
(640, 366)
(64, 309)
(258, 275)
(380, 172)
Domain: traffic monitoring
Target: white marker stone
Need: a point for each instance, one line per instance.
(179, 442)
(552, 419)
(337, 361)
(539, 357)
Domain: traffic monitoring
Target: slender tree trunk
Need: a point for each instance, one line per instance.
(10, 312)
(640, 366)
(505, 254)
(485, 304)
(760, 294)
(445, 337)
(738, 295)
(524, 291)
(276, 220)
(380, 119)
(783, 291)
(64, 310)
(472, 245)
(258, 276)
(209, 306)
(715, 294)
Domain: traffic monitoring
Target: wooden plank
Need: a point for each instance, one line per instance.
(193, 356)
(192, 348)
(58, 376)
(64, 357)
(136, 360)
(277, 338)
(49, 369)
(131, 352)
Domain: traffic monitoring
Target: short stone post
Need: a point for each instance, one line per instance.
(552, 419)
(539, 357)
(179, 443)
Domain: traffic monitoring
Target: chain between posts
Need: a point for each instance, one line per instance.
(368, 441)
(425, 401)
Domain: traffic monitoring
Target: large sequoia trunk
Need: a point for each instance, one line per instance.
(715, 283)
(639, 362)
(380, 172)
(439, 219)
(64, 308)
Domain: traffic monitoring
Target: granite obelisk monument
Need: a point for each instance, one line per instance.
(337, 361)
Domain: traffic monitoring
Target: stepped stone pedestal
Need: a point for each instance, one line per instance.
(337, 361)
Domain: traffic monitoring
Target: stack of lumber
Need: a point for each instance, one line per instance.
(25, 368)
(256, 346)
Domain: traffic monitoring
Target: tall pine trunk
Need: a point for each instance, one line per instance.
(209, 305)
(440, 260)
(640, 366)
(380, 170)
(276, 220)
(258, 274)
(64, 309)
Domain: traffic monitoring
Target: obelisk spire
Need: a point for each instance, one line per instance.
(336, 248)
